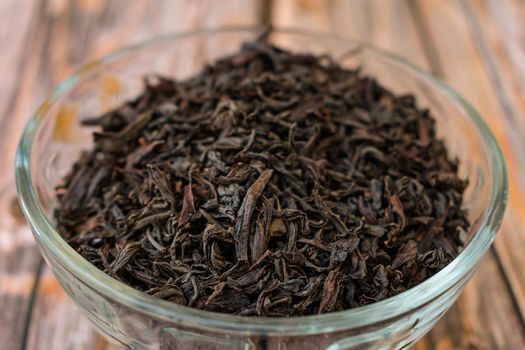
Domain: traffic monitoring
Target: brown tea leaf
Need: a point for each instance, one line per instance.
(271, 184)
(244, 215)
(188, 206)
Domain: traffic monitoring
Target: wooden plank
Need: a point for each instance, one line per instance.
(396, 27)
(19, 259)
(309, 15)
(79, 31)
(497, 31)
(381, 23)
(14, 27)
(56, 322)
(388, 26)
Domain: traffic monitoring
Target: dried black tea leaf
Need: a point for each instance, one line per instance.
(271, 184)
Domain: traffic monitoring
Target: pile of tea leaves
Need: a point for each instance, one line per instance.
(270, 184)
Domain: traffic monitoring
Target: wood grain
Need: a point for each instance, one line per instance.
(19, 258)
(14, 29)
(476, 46)
(56, 323)
(497, 29)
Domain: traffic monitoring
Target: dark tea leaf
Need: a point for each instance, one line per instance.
(271, 184)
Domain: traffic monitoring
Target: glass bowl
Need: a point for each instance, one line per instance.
(53, 139)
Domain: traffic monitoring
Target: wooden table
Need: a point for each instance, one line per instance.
(477, 46)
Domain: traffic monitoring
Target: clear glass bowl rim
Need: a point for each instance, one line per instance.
(395, 306)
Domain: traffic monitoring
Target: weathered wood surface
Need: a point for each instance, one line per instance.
(477, 46)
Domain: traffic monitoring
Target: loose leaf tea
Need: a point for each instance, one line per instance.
(271, 184)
